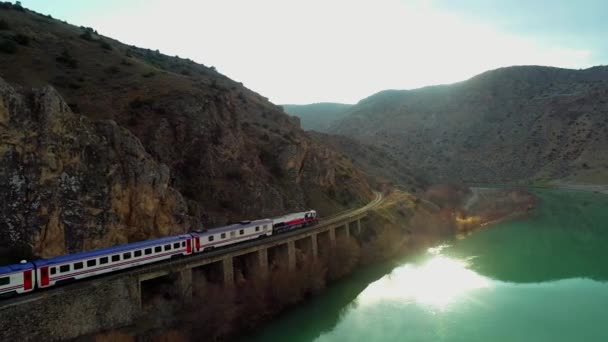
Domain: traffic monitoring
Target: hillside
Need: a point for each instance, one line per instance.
(137, 144)
(527, 123)
(318, 116)
(378, 165)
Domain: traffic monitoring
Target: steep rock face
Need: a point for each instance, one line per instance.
(68, 183)
(510, 124)
(230, 152)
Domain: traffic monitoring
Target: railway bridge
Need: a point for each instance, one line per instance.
(118, 300)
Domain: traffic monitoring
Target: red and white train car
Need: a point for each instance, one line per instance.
(18, 278)
(234, 233)
(88, 264)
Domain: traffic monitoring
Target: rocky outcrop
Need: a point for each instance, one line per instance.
(68, 183)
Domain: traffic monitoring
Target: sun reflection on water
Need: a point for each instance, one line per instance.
(437, 282)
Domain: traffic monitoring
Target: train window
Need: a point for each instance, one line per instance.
(126, 256)
(91, 263)
(115, 258)
(148, 251)
(53, 270)
(241, 232)
(183, 243)
(265, 226)
(158, 249)
(232, 234)
(5, 281)
(210, 237)
(176, 245)
(137, 254)
(78, 265)
(167, 247)
(103, 260)
(64, 268)
(257, 229)
(223, 235)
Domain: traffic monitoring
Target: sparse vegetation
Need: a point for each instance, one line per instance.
(4, 25)
(234, 174)
(105, 45)
(8, 46)
(149, 74)
(113, 70)
(67, 59)
(268, 158)
(138, 103)
(87, 36)
(21, 39)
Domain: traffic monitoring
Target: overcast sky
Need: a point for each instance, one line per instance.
(342, 51)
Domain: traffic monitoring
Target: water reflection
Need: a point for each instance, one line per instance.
(436, 282)
(566, 237)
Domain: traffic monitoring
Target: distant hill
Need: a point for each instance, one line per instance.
(526, 123)
(318, 116)
(130, 144)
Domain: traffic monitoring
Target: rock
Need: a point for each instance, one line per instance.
(68, 183)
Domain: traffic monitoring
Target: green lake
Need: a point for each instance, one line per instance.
(539, 278)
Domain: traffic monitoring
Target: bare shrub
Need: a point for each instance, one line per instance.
(212, 311)
(343, 258)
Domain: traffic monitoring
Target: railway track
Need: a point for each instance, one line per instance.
(323, 223)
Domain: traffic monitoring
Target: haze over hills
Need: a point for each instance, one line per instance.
(144, 144)
(527, 123)
(318, 116)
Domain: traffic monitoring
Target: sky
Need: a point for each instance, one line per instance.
(309, 51)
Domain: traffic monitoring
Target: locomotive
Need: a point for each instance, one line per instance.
(43, 273)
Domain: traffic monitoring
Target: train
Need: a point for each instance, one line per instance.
(44, 273)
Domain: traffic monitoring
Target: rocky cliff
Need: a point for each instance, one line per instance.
(68, 183)
(136, 130)
(525, 123)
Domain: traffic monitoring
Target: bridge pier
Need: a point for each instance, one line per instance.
(291, 255)
(228, 270)
(347, 230)
(332, 236)
(263, 261)
(314, 247)
(358, 226)
(184, 284)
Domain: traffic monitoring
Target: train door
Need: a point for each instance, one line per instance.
(189, 246)
(28, 281)
(44, 276)
(198, 243)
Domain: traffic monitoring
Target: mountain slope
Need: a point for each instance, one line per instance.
(380, 167)
(226, 150)
(509, 124)
(318, 116)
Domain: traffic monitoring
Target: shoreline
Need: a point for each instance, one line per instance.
(595, 188)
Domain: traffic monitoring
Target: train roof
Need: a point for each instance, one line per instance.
(16, 268)
(109, 250)
(236, 226)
